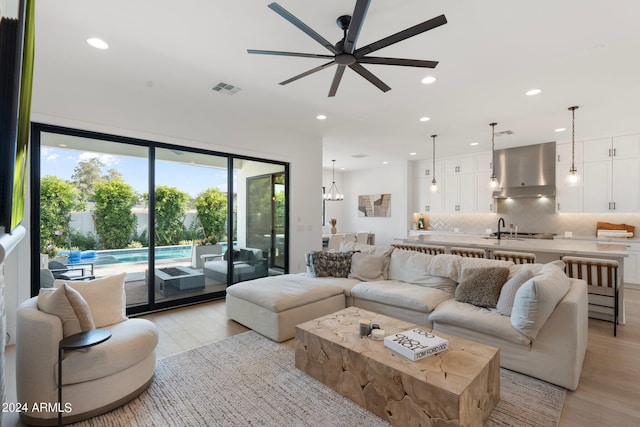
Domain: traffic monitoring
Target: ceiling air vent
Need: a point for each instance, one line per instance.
(504, 132)
(359, 156)
(226, 88)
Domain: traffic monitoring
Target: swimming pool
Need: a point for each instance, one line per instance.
(142, 254)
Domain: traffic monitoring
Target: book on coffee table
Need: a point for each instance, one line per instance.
(416, 343)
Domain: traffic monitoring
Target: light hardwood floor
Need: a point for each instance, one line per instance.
(608, 394)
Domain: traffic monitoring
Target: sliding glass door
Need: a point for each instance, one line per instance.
(181, 223)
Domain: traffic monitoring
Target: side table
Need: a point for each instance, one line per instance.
(76, 342)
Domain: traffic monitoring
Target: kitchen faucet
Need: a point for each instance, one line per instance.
(501, 220)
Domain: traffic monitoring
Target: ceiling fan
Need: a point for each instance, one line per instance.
(344, 52)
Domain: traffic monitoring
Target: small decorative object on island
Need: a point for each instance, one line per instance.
(421, 223)
(333, 223)
(416, 343)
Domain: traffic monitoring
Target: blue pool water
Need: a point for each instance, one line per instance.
(142, 254)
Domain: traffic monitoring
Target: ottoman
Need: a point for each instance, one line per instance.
(274, 305)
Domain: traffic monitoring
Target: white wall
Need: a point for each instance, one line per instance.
(387, 179)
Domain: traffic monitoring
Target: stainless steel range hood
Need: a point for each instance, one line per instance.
(528, 171)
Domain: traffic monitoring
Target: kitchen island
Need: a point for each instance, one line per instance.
(545, 250)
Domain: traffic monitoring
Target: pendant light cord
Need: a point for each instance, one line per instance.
(573, 137)
(493, 150)
(434, 158)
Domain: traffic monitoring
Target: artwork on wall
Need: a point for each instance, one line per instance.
(374, 205)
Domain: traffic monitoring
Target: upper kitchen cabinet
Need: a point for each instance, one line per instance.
(485, 202)
(424, 200)
(459, 192)
(456, 165)
(568, 199)
(612, 174)
(484, 162)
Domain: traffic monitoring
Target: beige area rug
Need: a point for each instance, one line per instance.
(249, 380)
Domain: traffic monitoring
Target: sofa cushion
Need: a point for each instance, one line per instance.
(399, 294)
(481, 286)
(331, 264)
(445, 265)
(508, 291)
(279, 293)
(105, 297)
(409, 266)
(365, 249)
(537, 298)
(477, 319)
(368, 267)
(67, 304)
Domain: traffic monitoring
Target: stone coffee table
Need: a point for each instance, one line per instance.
(458, 387)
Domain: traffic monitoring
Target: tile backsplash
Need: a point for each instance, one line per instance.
(532, 215)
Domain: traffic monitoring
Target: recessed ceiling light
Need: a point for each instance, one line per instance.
(321, 117)
(385, 163)
(98, 43)
(428, 80)
(560, 130)
(412, 154)
(533, 92)
(425, 119)
(474, 143)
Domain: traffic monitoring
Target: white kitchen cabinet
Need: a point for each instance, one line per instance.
(484, 162)
(424, 200)
(459, 192)
(485, 202)
(568, 199)
(611, 183)
(457, 165)
(632, 264)
(563, 154)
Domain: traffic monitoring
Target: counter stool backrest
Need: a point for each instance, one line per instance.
(334, 242)
(601, 276)
(515, 257)
(362, 237)
(425, 249)
(469, 252)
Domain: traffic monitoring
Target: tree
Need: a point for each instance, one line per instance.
(211, 205)
(112, 174)
(170, 212)
(115, 223)
(85, 175)
(58, 198)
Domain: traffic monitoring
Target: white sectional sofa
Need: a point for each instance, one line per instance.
(539, 323)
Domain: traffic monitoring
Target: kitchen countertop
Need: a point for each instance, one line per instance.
(558, 246)
(617, 240)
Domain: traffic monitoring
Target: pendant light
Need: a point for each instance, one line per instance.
(493, 182)
(334, 195)
(573, 179)
(434, 183)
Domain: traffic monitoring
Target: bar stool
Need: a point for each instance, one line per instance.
(469, 252)
(602, 277)
(425, 249)
(515, 257)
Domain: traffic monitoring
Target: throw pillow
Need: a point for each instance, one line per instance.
(331, 264)
(537, 299)
(508, 291)
(105, 297)
(368, 268)
(481, 286)
(67, 304)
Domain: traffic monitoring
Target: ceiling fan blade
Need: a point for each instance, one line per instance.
(336, 80)
(367, 75)
(304, 27)
(357, 19)
(402, 35)
(306, 73)
(277, 52)
(397, 61)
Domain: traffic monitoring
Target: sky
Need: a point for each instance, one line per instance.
(192, 179)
